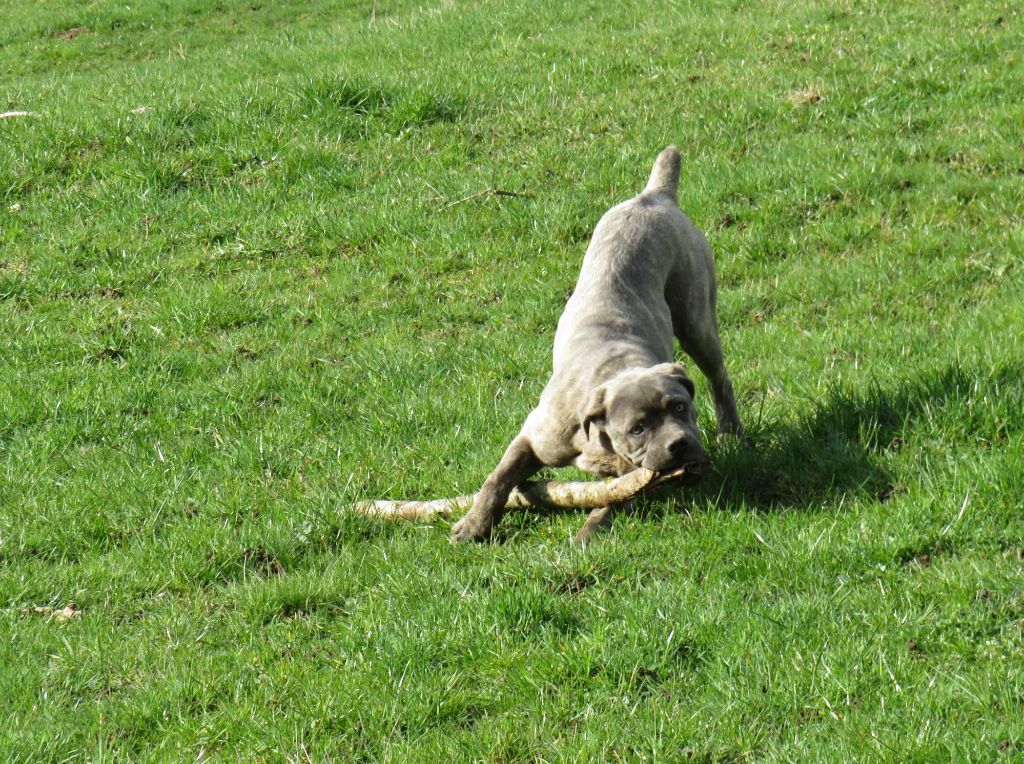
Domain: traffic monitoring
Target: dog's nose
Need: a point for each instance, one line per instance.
(686, 449)
(679, 446)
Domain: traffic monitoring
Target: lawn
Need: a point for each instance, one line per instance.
(249, 273)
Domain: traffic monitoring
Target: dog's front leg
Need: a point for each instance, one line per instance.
(597, 520)
(518, 463)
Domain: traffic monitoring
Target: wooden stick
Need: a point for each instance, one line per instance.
(488, 192)
(541, 493)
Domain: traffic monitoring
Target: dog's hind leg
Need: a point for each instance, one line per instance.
(699, 340)
(696, 331)
(692, 299)
(707, 354)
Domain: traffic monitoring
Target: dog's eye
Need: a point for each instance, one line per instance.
(637, 430)
(679, 408)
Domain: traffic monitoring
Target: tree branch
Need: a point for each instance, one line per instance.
(558, 494)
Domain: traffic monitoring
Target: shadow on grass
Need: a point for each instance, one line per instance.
(843, 446)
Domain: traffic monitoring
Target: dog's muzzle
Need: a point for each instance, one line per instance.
(694, 471)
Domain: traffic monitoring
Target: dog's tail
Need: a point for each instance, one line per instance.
(665, 175)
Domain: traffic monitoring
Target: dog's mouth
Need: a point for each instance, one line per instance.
(689, 473)
(701, 463)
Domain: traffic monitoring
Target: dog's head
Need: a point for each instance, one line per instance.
(647, 416)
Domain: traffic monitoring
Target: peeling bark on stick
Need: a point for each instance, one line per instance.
(542, 493)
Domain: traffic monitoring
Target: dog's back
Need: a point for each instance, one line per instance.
(635, 247)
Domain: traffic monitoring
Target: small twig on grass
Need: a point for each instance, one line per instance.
(955, 520)
(488, 192)
(556, 494)
(69, 612)
(11, 114)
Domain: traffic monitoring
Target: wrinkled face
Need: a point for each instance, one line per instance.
(647, 416)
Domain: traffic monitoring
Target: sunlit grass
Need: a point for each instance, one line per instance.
(247, 275)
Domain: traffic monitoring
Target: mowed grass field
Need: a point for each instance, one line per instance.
(247, 275)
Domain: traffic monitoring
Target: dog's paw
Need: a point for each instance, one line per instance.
(472, 527)
(731, 431)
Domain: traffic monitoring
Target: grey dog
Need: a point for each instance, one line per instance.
(615, 400)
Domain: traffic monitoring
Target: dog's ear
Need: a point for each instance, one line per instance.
(593, 410)
(678, 372)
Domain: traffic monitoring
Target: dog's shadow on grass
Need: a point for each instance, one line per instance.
(844, 445)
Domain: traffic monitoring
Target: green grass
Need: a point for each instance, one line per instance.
(235, 294)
